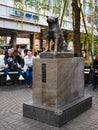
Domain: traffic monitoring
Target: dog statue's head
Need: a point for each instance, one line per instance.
(52, 19)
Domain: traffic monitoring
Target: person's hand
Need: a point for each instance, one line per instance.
(6, 66)
(19, 66)
(96, 71)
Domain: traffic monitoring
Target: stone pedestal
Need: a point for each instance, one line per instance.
(58, 94)
(58, 81)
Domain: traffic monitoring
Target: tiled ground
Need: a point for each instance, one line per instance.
(11, 101)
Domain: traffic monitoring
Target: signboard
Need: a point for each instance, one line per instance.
(15, 12)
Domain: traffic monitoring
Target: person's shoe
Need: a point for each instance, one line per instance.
(21, 77)
(8, 78)
(28, 86)
(95, 86)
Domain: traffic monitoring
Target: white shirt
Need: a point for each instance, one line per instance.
(70, 46)
(2, 64)
(28, 62)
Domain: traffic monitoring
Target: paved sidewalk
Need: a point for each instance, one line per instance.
(11, 102)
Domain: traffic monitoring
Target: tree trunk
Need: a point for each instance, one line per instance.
(76, 28)
(87, 35)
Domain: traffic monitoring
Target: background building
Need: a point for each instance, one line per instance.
(30, 23)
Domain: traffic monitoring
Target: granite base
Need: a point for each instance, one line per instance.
(57, 116)
(56, 55)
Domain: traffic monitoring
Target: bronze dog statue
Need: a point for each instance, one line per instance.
(55, 34)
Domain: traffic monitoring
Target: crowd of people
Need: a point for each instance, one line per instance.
(22, 60)
(17, 60)
(95, 70)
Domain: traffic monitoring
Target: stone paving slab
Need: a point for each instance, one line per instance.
(11, 118)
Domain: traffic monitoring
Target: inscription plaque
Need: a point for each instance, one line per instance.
(44, 73)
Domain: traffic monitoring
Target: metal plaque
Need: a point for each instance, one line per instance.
(44, 73)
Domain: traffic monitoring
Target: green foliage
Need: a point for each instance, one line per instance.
(56, 5)
(1, 40)
(90, 3)
(59, 8)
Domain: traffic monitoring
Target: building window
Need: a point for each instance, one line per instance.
(67, 12)
(17, 0)
(84, 6)
(89, 19)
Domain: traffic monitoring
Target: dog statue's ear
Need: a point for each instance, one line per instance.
(57, 18)
(47, 16)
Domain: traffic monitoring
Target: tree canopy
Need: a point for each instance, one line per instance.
(62, 8)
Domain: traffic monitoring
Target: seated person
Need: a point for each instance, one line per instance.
(28, 62)
(11, 64)
(2, 56)
(95, 67)
(18, 58)
(36, 54)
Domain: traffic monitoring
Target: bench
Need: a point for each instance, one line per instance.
(14, 78)
(87, 74)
